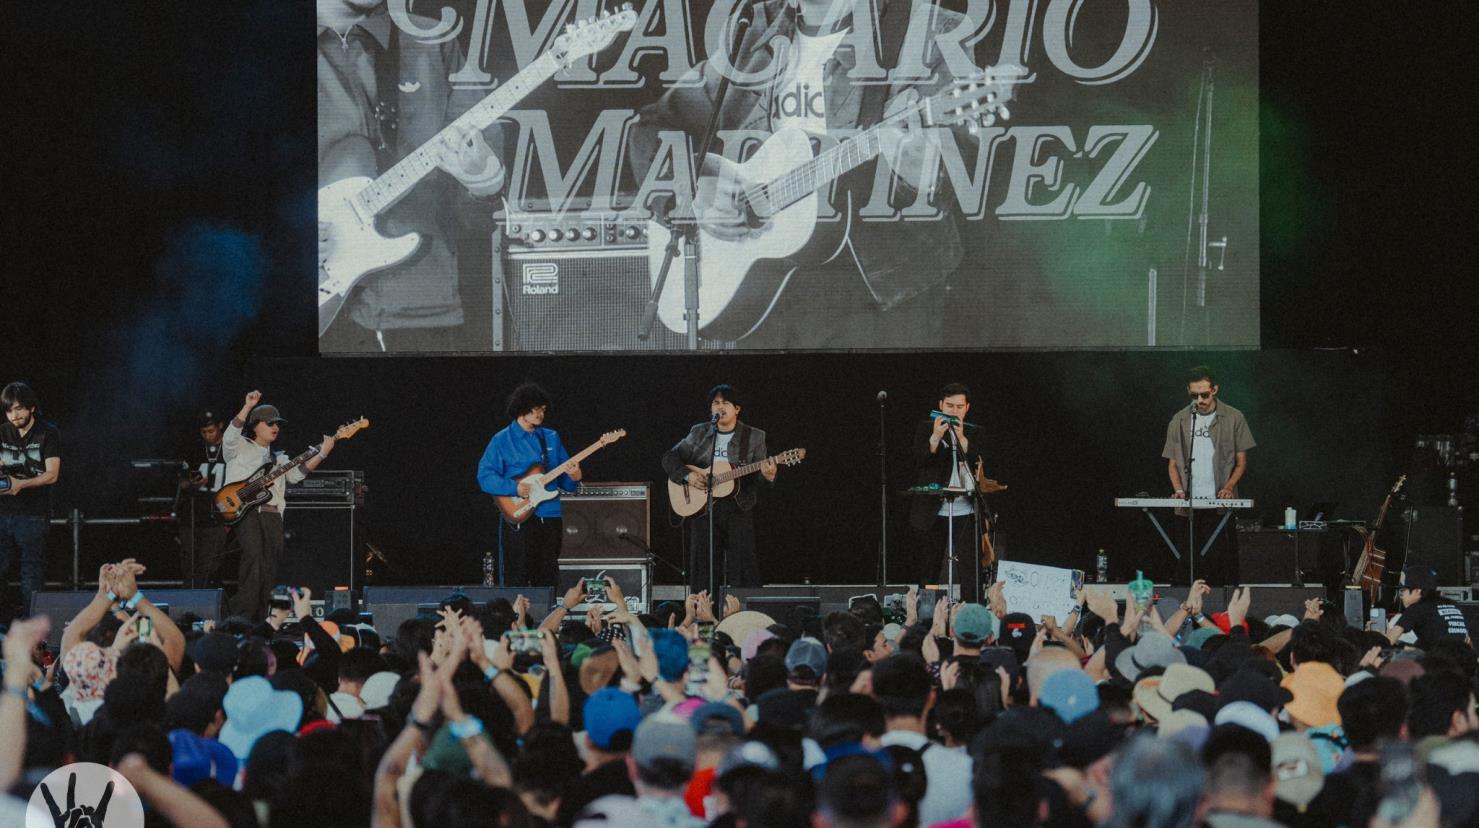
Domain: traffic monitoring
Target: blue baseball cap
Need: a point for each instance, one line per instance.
(1071, 694)
(672, 654)
(607, 712)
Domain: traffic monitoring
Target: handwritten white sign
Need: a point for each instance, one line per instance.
(1037, 590)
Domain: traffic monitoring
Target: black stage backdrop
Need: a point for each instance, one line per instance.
(1067, 432)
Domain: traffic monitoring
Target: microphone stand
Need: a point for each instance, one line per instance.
(950, 499)
(686, 233)
(882, 492)
(1191, 512)
(709, 496)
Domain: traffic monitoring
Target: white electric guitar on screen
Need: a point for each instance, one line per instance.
(348, 208)
(740, 281)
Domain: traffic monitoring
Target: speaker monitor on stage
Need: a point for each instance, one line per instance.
(62, 607)
(607, 520)
(1435, 539)
(392, 606)
(323, 549)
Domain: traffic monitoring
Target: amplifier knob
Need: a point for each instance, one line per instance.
(514, 229)
(590, 234)
(573, 234)
(536, 236)
(632, 231)
(556, 234)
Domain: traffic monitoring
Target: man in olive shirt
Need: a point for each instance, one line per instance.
(1213, 438)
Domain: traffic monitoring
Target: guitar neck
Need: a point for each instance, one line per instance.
(740, 471)
(283, 469)
(576, 458)
(395, 182)
(803, 180)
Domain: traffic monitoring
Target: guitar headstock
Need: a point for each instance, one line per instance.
(1397, 487)
(612, 436)
(791, 457)
(351, 428)
(591, 35)
(978, 101)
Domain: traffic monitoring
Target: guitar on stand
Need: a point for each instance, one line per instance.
(986, 486)
(1371, 566)
(688, 500)
(237, 500)
(348, 208)
(517, 509)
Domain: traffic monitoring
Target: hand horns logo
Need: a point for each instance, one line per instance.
(84, 795)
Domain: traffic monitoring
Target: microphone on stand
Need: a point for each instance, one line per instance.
(714, 418)
(882, 397)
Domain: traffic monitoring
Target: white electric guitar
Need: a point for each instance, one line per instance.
(349, 207)
(741, 280)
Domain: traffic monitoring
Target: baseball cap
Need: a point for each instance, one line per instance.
(208, 417)
(664, 736)
(607, 712)
(1419, 577)
(1071, 694)
(264, 414)
(748, 755)
(974, 624)
(717, 716)
(672, 654)
(194, 758)
(1252, 685)
(1017, 631)
(1251, 716)
(216, 652)
(377, 689)
(1298, 776)
(1090, 738)
(806, 653)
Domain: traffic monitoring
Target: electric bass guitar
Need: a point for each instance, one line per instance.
(1372, 564)
(785, 182)
(237, 500)
(517, 509)
(347, 208)
(689, 500)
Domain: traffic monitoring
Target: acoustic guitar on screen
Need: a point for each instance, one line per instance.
(348, 208)
(237, 500)
(689, 500)
(784, 200)
(517, 509)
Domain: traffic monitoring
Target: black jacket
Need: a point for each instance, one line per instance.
(935, 468)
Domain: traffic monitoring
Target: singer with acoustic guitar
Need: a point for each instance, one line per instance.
(721, 439)
(247, 446)
(528, 543)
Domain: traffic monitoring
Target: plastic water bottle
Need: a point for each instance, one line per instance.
(490, 571)
(1101, 568)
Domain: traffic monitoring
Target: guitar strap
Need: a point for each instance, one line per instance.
(387, 93)
(543, 449)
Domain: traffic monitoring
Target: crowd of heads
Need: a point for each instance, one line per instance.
(696, 714)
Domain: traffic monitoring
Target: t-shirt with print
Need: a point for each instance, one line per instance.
(25, 458)
(721, 446)
(1203, 483)
(1433, 622)
(799, 98)
(208, 461)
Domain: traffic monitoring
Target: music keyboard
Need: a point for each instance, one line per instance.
(1178, 503)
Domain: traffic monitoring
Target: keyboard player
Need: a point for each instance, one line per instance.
(1206, 454)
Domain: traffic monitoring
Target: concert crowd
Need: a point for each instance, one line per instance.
(956, 714)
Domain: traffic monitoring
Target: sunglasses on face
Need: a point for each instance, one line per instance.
(1200, 395)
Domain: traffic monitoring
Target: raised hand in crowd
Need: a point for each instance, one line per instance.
(1102, 603)
(20, 642)
(521, 611)
(1312, 609)
(911, 606)
(997, 597)
(302, 598)
(732, 605)
(704, 608)
(594, 619)
(949, 674)
(1237, 606)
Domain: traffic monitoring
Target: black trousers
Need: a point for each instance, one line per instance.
(734, 547)
(202, 550)
(529, 552)
(932, 548)
(1219, 567)
(261, 539)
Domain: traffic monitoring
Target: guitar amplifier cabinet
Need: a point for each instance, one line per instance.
(573, 281)
(331, 487)
(607, 520)
(1435, 539)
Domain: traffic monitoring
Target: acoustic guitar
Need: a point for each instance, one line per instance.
(689, 500)
(1372, 564)
(517, 509)
(237, 500)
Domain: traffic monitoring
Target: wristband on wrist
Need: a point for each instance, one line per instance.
(112, 597)
(467, 728)
(1199, 618)
(491, 672)
(424, 727)
(19, 692)
(133, 602)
